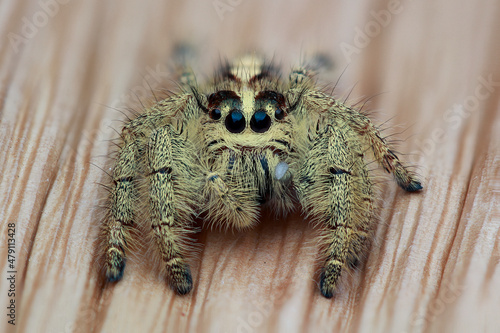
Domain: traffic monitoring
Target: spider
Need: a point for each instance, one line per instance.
(222, 150)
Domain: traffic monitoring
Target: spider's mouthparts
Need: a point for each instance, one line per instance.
(281, 169)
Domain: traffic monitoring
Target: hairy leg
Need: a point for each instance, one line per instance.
(301, 80)
(334, 188)
(383, 153)
(171, 174)
(121, 215)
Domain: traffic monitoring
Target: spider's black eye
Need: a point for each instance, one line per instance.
(260, 122)
(215, 114)
(235, 121)
(279, 114)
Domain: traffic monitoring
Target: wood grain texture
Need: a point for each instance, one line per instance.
(434, 264)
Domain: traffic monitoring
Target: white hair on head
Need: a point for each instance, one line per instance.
(281, 169)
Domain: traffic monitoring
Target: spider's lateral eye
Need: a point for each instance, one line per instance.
(279, 114)
(276, 99)
(235, 121)
(260, 122)
(215, 114)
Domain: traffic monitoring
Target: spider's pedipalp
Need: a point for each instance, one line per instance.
(227, 201)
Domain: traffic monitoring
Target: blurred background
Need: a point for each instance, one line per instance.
(69, 69)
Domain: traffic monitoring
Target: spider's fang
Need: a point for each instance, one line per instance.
(265, 166)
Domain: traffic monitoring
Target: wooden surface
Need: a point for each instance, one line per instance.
(434, 265)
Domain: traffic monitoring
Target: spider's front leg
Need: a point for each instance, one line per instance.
(335, 189)
(121, 216)
(172, 182)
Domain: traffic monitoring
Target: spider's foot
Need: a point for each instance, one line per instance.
(328, 279)
(407, 181)
(115, 266)
(181, 280)
(413, 186)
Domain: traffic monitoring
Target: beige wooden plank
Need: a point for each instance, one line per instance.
(434, 264)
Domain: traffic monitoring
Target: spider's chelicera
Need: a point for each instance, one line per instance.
(222, 150)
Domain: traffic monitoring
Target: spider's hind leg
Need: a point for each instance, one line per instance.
(183, 55)
(308, 69)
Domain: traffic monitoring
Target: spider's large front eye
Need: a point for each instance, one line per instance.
(235, 121)
(215, 114)
(260, 122)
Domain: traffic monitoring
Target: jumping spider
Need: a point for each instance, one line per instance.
(222, 150)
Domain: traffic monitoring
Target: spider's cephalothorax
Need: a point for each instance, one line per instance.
(222, 150)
